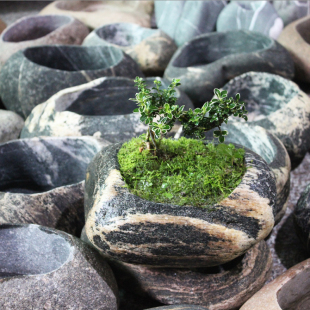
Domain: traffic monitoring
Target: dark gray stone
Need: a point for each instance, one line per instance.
(279, 106)
(128, 228)
(211, 60)
(11, 125)
(40, 30)
(42, 181)
(42, 268)
(34, 74)
(179, 307)
(100, 108)
(258, 16)
(152, 49)
(184, 20)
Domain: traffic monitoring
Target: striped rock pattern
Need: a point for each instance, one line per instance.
(227, 57)
(134, 230)
(279, 106)
(224, 287)
(152, 49)
(100, 108)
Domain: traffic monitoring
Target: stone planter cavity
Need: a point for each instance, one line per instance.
(289, 291)
(34, 74)
(279, 106)
(260, 16)
(42, 181)
(224, 287)
(296, 39)
(42, 268)
(271, 149)
(11, 125)
(184, 20)
(211, 60)
(130, 229)
(152, 49)
(97, 13)
(100, 108)
(40, 30)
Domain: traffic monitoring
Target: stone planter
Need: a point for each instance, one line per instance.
(130, 229)
(296, 39)
(271, 149)
(152, 49)
(290, 291)
(100, 108)
(34, 74)
(184, 20)
(42, 181)
(279, 106)
(11, 125)
(42, 268)
(40, 30)
(259, 16)
(2, 25)
(224, 287)
(227, 57)
(97, 13)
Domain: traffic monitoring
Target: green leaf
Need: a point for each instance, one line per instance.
(224, 93)
(237, 96)
(224, 132)
(136, 110)
(168, 195)
(221, 139)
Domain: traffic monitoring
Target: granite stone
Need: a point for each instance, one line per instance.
(131, 229)
(152, 49)
(184, 20)
(94, 14)
(211, 60)
(40, 30)
(279, 106)
(99, 108)
(34, 74)
(42, 181)
(42, 268)
(258, 16)
(11, 125)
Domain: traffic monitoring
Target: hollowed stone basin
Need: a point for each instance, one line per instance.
(33, 75)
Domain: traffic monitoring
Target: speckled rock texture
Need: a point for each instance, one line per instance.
(258, 16)
(42, 268)
(227, 57)
(11, 125)
(290, 11)
(2, 25)
(40, 30)
(128, 228)
(101, 108)
(223, 287)
(152, 49)
(42, 181)
(302, 217)
(180, 307)
(184, 20)
(97, 13)
(290, 291)
(296, 39)
(279, 106)
(271, 149)
(33, 75)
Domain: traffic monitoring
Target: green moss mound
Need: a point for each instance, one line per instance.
(187, 172)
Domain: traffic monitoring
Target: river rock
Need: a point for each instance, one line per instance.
(40, 30)
(11, 125)
(184, 20)
(289, 291)
(296, 39)
(211, 60)
(42, 181)
(99, 108)
(152, 49)
(94, 14)
(258, 16)
(33, 75)
(42, 268)
(131, 229)
(279, 106)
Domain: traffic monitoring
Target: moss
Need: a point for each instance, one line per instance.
(190, 172)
